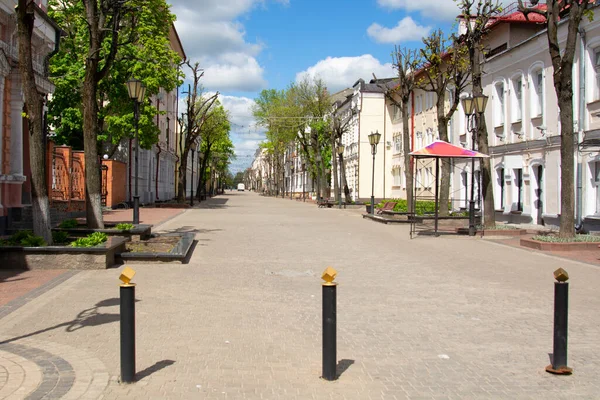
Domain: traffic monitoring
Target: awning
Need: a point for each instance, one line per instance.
(442, 149)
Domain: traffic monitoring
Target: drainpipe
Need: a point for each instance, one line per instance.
(580, 128)
(157, 165)
(157, 145)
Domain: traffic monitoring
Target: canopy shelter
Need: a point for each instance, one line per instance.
(436, 150)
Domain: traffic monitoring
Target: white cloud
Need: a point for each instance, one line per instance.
(406, 30)
(438, 9)
(245, 76)
(341, 72)
(212, 35)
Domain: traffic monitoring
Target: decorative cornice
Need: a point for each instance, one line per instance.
(550, 141)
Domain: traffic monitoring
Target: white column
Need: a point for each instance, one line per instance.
(16, 126)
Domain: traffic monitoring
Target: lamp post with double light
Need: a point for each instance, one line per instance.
(136, 90)
(340, 151)
(303, 181)
(471, 106)
(374, 141)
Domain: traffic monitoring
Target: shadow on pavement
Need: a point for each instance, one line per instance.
(343, 365)
(153, 368)
(7, 275)
(191, 229)
(88, 317)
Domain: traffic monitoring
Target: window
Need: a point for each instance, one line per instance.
(499, 105)
(537, 93)
(418, 104)
(501, 183)
(518, 99)
(596, 62)
(398, 143)
(519, 188)
(428, 177)
(429, 139)
(396, 112)
(597, 184)
(397, 177)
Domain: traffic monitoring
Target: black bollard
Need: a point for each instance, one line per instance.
(127, 294)
(329, 325)
(561, 313)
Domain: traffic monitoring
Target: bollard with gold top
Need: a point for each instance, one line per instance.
(329, 325)
(127, 293)
(561, 314)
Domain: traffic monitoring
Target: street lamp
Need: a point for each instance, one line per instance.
(340, 151)
(291, 179)
(471, 106)
(374, 141)
(303, 180)
(318, 159)
(193, 147)
(136, 90)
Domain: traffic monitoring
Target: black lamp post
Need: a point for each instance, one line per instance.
(374, 141)
(291, 179)
(340, 151)
(201, 178)
(193, 147)
(136, 90)
(472, 105)
(303, 181)
(318, 159)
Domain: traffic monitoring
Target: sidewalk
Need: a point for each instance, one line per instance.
(17, 285)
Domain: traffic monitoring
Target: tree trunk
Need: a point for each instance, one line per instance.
(344, 181)
(487, 189)
(34, 103)
(408, 172)
(182, 177)
(567, 148)
(444, 193)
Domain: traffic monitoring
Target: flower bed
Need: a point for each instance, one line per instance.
(101, 256)
(140, 230)
(174, 248)
(554, 243)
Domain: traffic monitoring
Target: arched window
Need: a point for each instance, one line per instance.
(517, 98)
(536, 86)
(499, 103)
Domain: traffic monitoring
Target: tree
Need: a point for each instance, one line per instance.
(562, 65)
(406, 62)
(34, 102)
(106, 43)
(476, 26)
(445, 66)
(197, 108)
(214, 141)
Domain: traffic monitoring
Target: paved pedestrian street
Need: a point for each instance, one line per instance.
(427, 318)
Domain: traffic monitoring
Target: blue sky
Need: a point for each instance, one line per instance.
(249, 45)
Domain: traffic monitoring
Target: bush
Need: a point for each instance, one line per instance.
(125, 227)
(33, 241)
(91, 240)
(68, 224)
(60, 237)
(17, 237)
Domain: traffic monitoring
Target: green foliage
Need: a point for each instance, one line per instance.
(145, 54)
(422, 207)
(577, 238)
(60, 237)
(90, 240)
(23, 238)
(68, 224)
(33, 241)
(125, 227)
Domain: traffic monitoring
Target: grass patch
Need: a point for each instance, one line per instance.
(577, 238)
(124, 227)
(68, 224)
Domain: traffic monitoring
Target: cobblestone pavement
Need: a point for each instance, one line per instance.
(428, 318)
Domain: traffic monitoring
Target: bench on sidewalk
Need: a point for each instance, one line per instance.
(388, 206)
(325, 203)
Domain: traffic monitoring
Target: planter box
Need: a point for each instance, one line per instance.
(141, 230)
(494, 232)
(549, 246)
(62, 257)
(178, 254)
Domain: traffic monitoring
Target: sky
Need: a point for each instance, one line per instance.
(245, 46)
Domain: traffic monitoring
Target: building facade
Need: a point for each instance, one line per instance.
(15, 173)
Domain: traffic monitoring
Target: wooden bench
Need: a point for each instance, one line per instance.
(388, 206)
